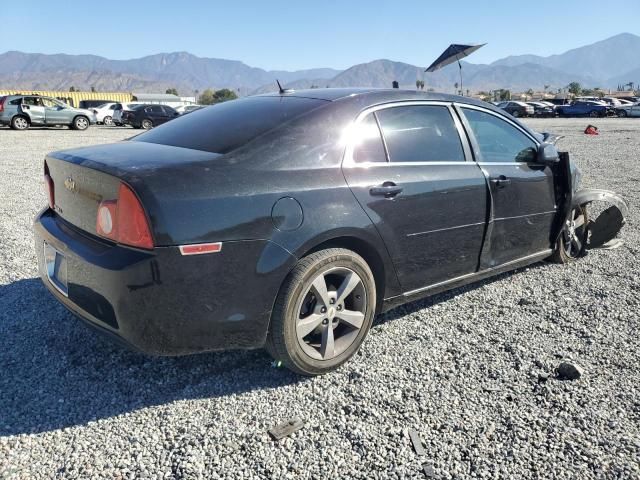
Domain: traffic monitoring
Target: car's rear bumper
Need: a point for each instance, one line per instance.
(161, 302)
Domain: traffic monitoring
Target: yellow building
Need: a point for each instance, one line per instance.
(74, 98)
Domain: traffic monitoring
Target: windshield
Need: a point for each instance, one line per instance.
(226, 126)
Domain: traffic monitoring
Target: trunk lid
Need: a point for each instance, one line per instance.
(85, 177)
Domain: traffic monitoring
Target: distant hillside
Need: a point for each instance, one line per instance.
(601, 60)
(180, 69)
(605, 64)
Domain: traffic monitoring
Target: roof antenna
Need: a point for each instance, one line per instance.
(280, 89)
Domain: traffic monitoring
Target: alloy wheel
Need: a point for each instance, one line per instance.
(21, 123)
(331, 313)
(573, 233)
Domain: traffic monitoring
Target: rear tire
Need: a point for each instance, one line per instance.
(80, 123)
(19, 123)
(570, 243)
(323, 312)
(107, 121)
(516, 113)
(147, 124)
(594, 114)
(622, 113)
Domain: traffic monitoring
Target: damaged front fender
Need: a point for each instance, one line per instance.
(602, 232)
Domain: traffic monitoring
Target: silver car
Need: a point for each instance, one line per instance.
(632, 110)
(23, 111)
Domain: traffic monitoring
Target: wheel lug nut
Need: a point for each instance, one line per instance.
(339, 307)
(325, 321)
(323, 310)
(332, 301)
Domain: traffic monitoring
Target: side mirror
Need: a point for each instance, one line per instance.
(547, 154)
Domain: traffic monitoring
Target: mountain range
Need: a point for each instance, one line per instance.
(604, 64)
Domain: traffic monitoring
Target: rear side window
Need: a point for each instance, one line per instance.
(226, 126)
(498, 140)
(368, 146)
(169, 110)
(17, 101)
(420, 133)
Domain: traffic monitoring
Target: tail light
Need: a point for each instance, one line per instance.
(2, 100)
(49, 186)
(123, 220)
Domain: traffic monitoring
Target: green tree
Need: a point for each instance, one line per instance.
(529, 92)
(93, 89)
(421, 84)
(575, 88)
(172, 91)
(504, 95)
(207, 97)
(224, 95)
(72, 88)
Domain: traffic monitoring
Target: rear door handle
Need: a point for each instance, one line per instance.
(387, 190)
(501, 181)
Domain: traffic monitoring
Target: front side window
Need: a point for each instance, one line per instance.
(368, 146)
(498, 140)
(420, 133)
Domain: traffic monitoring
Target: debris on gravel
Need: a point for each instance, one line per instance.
(461, 368)
(568, 371)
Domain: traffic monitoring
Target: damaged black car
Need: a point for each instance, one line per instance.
(289, 220)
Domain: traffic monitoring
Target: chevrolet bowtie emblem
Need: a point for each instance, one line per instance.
(70, 185)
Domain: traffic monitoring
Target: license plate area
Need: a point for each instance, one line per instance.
(56, 266)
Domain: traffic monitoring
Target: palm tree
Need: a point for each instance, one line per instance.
(417, 84)
(455, 85)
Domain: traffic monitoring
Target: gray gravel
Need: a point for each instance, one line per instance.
(472, 371)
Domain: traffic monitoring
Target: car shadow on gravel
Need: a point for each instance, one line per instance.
(56, 372)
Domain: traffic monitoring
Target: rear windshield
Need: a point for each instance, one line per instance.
(226, 126)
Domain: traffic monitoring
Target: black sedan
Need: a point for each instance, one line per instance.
(148, 116)
(288, 221)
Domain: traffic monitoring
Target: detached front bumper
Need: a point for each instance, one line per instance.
(161, 302)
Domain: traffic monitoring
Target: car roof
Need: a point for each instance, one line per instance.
(374, 95)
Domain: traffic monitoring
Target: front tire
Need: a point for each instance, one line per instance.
(147, 124)
(107, 121)
(516, 113)
(323, 312)
(570, 245)
(80, 123)
(622, 113)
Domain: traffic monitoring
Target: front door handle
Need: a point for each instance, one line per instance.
(501, 181)
(386, 190)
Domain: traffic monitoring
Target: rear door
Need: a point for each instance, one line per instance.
(34, 109)
(522, 194)
(421, 189)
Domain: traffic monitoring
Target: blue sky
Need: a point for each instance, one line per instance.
(296, 34)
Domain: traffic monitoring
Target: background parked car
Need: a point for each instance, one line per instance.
(89, 104)
(104, 113)
(541, 109)
(632, 110)
(517, 109)
(22, 111)
(183, 109)
(119, 109)
(584, 108)
(148, 116)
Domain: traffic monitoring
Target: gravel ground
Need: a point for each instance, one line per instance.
(465, 369)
